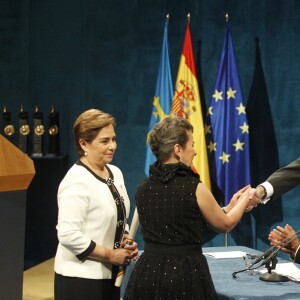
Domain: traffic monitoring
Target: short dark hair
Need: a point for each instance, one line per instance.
(167, 133)
(88, 124)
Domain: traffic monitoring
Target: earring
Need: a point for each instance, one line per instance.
(180, 158)
(85, 153)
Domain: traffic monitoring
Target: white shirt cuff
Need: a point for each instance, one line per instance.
(269, 189)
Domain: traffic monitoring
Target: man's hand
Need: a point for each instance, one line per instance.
(253, 201)
(279, 238)
(255, 196)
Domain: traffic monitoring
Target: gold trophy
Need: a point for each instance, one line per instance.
(8, 127)
(24, 130)
(38, 133)
(53, 147)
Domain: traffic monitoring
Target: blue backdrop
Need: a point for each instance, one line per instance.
(76, 55)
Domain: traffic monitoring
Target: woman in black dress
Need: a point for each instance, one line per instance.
(174, 208)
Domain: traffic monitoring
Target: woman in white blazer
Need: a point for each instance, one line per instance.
(93, 207)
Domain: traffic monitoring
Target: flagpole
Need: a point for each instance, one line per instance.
(163, 94)
(227, 17)
(226, 233)
(188, 17)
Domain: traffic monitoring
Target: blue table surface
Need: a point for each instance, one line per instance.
(244, 286)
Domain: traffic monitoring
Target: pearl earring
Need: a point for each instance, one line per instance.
(85, 153)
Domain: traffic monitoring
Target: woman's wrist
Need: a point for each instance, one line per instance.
(101, 254)
(107, 254)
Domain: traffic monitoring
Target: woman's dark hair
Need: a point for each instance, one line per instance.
(88, 124)
(166, 134)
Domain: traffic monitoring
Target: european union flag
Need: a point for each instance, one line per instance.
(163, 96)
(226, 128)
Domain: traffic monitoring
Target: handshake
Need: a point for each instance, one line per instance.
(256, 196)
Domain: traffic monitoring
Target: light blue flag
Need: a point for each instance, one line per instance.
(226, 128)
(163, 95)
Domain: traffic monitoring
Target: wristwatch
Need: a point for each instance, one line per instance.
(261, 191)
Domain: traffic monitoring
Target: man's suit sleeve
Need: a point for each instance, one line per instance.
(286, 178)
(297, 256)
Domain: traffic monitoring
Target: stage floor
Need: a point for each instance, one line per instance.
(38, 282)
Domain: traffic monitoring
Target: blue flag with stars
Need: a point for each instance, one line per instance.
(226, 128)
(163, 95)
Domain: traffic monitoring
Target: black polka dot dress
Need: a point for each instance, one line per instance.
(172, 265)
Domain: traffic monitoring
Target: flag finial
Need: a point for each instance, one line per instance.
(227, 17)
(188, 17)
(168, 17)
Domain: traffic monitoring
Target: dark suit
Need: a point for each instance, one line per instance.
(283, 180)
(286, 178)
(297, 257)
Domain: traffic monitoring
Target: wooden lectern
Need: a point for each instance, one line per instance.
(16, 173)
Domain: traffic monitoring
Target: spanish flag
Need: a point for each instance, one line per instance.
(186, 104)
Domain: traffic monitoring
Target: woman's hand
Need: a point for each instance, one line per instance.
(235, 199)
(253, 201)
(130, 244)
(135, 250)
(120, 257)
(123, 256)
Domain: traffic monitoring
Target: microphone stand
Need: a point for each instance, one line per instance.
(269, 259)
(253, 266)
(270, 263)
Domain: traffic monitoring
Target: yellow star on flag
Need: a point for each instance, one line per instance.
(207, 128)
(217, 95)
(209, 111)
(238, 145)
(245, 128)
(212, 146)
(241, 109)
(224, 158)
(231, 93)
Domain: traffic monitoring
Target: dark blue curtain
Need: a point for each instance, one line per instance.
(77, 54)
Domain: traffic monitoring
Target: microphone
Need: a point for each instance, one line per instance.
(267, 257)
(271, 262)
(272, 251)
(262, 256)
(278, 246)
(257, 260)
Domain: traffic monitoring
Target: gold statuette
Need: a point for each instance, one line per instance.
(39, 130)
(24, 129)
(53, 130)
(9, 130)
(8, 127)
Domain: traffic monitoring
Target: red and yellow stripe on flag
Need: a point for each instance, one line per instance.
(186, 104)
